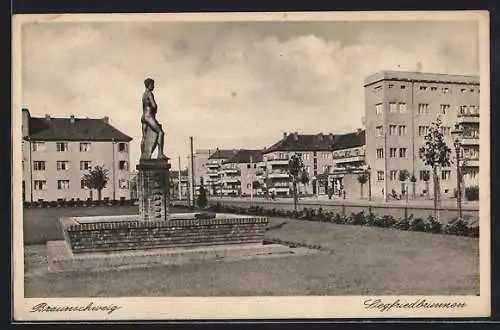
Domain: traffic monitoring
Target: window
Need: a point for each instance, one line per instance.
(403, 86)
(423, 108)
(83, 184)
(434, 88)
(394, 175)
(445, 174)
(422, 130)
(390, 85)
(40, 185)
(378, 108)
(473, 109)
(402, 152)
(85, 165)
(380, 153)
(123, 184)
(463, 110)
(123, 165)
(325, 168)
(377, 88)
(393, 152)
(62, 165)
(393, 107)
(423, 88)
(379, 130)
(463, 90)
(122, 147)
(380, 175)
(472, 90)
(402, 129)
(402, 107)
(446, 90)
(62, 184)
(39, 165)
(62, 146)
(444, 109)
(393, 129)
(38, 146)
(445, 130)
(423, 174)
(84, 147)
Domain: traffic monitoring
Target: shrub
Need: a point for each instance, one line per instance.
(385, 221)
(358, 218)
(472, 193)
(457, 227)
(434, 226)
(418, 224)
(403, 223)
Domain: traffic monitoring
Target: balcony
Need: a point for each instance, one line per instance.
(212, 166)
(470, 140)
(279, 189)
(212, 174)
(468, 118)
(277, 174)
(470, 161)
(229, 180)
(351, 159)
(229, 170)
(278, 161)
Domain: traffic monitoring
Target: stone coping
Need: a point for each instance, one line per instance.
(174, 220)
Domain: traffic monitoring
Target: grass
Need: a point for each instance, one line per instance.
(355, 261)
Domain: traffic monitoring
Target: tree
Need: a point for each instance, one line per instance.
(202, 200)
(295, 167)
(304, 179)
(256, 185)
(403, 176)
(413, 180)
(362, 179)
(435, 153)
(96, 178)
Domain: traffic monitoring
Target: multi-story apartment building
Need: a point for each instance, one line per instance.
(238, 174)
(58, 151)
(200, 170)
(399, 109)
(320, 153)
(213, 167)
(179, 184)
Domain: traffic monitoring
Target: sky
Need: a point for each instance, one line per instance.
(229, 84)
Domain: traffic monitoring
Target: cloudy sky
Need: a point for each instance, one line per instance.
(229, 84)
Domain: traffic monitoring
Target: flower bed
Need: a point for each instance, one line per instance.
(457, 227)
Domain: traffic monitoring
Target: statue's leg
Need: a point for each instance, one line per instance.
(143, 140)
(159, 136)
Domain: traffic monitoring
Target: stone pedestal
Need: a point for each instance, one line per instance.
(153, 189)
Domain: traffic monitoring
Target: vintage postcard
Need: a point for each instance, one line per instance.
(251, 166)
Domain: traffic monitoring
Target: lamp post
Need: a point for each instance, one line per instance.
(369, 172)
(457, 133)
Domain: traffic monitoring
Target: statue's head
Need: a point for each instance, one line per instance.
(149, 83)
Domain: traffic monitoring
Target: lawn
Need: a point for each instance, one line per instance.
(354, 261)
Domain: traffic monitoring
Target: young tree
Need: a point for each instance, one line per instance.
(413, 180)
(96, 178)
(295, 167)
(304, 179)
(362, 179)
(435, 153)
(202, 195)
(403, 176)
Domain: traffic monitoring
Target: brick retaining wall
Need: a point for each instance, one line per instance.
(132, 235)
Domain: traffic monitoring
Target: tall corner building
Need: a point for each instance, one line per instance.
(58, 151)
(399, 109)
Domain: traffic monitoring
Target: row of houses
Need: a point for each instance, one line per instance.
(399, 109)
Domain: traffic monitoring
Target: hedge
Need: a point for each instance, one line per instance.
(79, 203)
(457, 227)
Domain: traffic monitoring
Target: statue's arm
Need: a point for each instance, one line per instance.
(152, 101)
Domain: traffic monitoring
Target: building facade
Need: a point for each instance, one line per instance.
(238, 173)
(58, 151)
(399, 109)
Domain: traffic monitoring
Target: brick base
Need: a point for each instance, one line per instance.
(119, 233)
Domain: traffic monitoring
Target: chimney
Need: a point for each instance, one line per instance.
(330, 136)
(359, 131)
(25, 123)
(47, 117)
(284, 135)
(72, 119)
(320, 135)
(296, 136)
(106, 119)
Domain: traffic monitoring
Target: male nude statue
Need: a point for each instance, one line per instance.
(148, 121)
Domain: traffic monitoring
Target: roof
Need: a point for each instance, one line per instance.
(318, 142)
(81, 129)
(223, 154)
(244, 155)
(421, 76)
